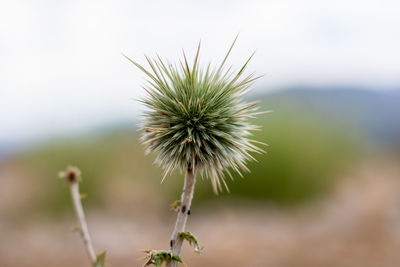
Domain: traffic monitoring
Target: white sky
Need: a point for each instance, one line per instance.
(61, 69)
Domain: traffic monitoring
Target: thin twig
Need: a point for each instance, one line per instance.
(84, 231)
(73, 176)
(184, 211)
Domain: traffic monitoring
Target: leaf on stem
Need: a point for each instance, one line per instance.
(175, 205)
(188, 236)
(158, 257)
(100, 259)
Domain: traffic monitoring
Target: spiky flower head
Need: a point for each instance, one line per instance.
(196, 117)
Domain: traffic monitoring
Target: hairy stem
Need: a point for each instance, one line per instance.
(184, 211)
(84, 231)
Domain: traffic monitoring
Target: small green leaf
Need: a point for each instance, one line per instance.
(188, 236)
(100, 259)
(175, 205)
(177, 258)
(158, 257)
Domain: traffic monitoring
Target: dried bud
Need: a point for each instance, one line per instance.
(71, 174)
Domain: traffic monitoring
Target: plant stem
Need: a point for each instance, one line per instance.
(184, 211)
(84, 231)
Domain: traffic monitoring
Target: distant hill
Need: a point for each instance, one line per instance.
(6, 149)
(376, 114)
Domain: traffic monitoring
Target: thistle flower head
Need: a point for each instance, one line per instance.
(196, 117)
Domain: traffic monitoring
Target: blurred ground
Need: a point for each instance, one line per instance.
(357, 224)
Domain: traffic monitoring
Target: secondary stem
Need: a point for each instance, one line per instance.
(84, 231)
(184, 211)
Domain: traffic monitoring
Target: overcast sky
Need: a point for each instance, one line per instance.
(61, 69)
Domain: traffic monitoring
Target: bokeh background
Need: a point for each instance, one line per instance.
(327, 193)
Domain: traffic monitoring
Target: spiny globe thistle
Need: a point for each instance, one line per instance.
(196, 117)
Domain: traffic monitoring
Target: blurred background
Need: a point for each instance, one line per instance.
(327, 193)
